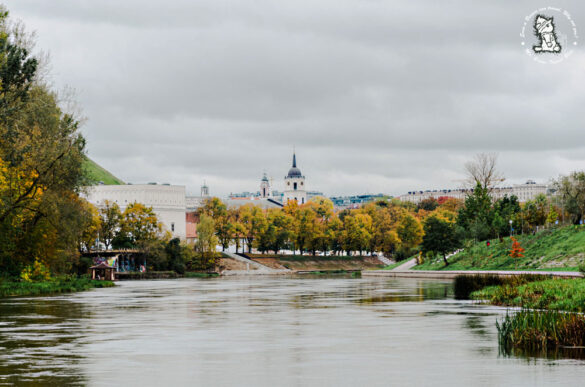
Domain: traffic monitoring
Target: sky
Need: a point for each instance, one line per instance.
(376, 96)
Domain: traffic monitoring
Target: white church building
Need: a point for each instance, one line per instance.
(294, 185)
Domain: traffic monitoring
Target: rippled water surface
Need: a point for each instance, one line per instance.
(261, 331)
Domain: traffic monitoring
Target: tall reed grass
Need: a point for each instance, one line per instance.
(540, 331)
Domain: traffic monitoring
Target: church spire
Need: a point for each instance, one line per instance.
(294, 160)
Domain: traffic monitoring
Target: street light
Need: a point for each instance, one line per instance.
(511, 229)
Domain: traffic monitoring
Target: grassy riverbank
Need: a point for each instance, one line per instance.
(10, 288)
(556, 294)
(560, 249)
(551, 316)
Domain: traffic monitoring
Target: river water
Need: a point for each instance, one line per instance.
(265, 331)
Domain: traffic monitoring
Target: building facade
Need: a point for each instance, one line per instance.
(167, 201)
(524, 192)
(294, 185)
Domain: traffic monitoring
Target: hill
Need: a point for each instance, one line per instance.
(97, 174)
(554, 249)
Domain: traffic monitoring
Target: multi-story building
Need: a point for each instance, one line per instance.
(524, 192)
(167, 201)
(354, 201)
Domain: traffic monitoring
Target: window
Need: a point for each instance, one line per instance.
(295, 186)
(301, 183)
(288, 183)
(173, 227)
(303, 201)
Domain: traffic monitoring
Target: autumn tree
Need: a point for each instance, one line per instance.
(254, 222)
(110, 218)
(41, 154)
(410, 232)
(139, 223)
(91, 224)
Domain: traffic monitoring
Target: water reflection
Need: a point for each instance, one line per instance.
(264, 331)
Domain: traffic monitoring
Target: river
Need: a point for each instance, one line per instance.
(265, 331)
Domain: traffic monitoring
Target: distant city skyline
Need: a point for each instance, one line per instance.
(378, 97)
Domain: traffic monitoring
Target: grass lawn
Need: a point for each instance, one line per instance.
(561, 249)
(96, 173)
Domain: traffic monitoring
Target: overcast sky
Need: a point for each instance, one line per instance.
(376, 95)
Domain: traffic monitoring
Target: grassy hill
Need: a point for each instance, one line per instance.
(98, 174)
(555, 249)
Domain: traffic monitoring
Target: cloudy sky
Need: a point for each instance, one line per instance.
(376, 95)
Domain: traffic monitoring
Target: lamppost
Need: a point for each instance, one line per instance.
(511, 229)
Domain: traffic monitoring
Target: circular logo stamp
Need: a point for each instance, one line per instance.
(549, 35)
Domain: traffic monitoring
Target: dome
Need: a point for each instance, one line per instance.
(294, 171)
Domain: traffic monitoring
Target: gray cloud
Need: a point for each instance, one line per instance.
(378, 96)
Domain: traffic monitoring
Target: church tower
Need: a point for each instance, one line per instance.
(294, 184)
(265, 187)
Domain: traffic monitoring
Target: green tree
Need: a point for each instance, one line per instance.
(571, 195)
(440, 237)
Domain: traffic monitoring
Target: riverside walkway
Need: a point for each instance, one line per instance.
(451, 274)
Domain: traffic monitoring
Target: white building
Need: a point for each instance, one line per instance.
(294, 185)
(524, 192)
(167, 201)
(195, 202)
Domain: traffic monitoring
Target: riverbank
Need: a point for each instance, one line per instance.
(12, 288)
(310, 263)
(556, 249)
(452, 274)
(551, 314)
(552, 294)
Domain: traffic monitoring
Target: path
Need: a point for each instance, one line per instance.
(253, 267)
(406, 265)
(446, 274)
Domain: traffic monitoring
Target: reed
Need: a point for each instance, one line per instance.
(540, 331)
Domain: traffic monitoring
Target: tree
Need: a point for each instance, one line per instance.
(175, 253)
(482, 171)
(477, 215)
(440, 236)
(517, 250)
(410, 231)
(140, 223)
(110, 216)
(41, 154)
(253, 222)
(206, 240)
(91, 224)
(571, 194)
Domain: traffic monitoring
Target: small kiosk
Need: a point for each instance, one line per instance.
(102, 272)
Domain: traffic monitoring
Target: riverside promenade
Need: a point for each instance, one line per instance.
(404, 271)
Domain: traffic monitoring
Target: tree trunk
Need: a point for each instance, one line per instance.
(445, 259)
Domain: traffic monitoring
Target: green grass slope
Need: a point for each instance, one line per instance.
(97, 174)
(555, 249)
